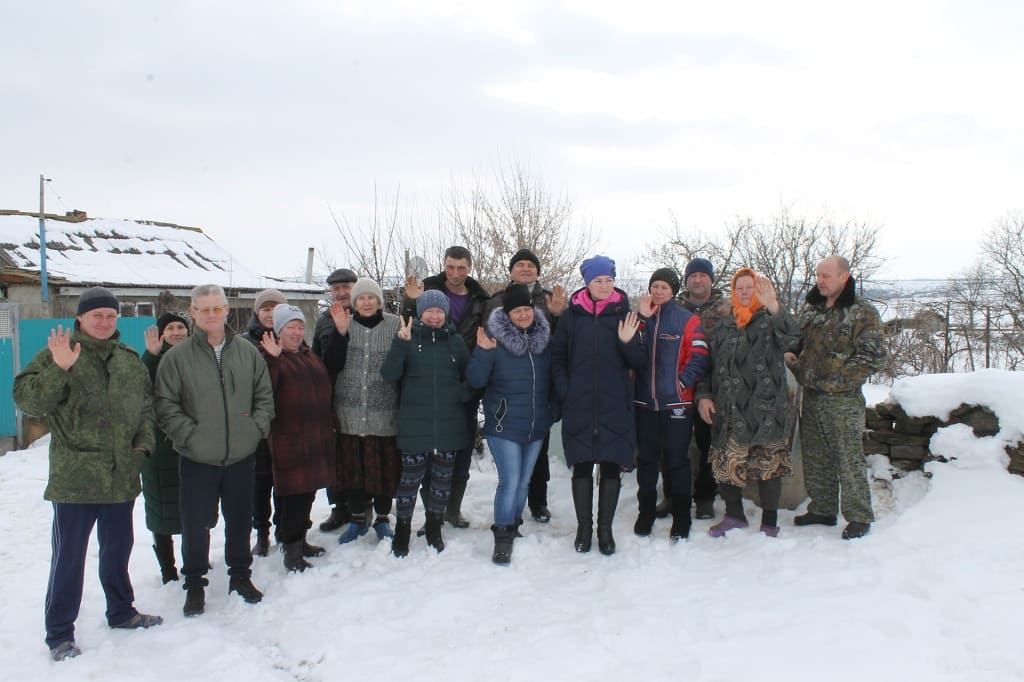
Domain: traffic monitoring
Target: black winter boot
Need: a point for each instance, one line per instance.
(647, 505)
(338, 518)
(433, 531)
(665, 506)
(607, 501)
(504, 536)
(262, 545)
(245, 589)
(195, 598)
(453, 514)
(309, 550)
(400, 541)
(164, 548)
(293, 559)
(583, 500)
(680, 518)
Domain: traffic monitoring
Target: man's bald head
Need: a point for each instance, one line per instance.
(833, 273)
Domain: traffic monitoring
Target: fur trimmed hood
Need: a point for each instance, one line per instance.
(512, 338)
(845, 300)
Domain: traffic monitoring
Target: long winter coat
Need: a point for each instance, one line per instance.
(590, 369)
(747, 378)
(160, 472)
(431, 370)
(100, 414)
(516, 376)
(214, 413)
(302, 436)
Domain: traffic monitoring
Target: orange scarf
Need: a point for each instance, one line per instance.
(743, 313)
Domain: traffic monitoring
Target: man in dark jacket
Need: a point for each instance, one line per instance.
(330, 343)
(467, 304)
(97, 398)
(524, 268)
(840, 347)
(215, 402)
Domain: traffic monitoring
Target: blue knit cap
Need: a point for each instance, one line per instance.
(597, 266)
(431, 298)
(699, 265)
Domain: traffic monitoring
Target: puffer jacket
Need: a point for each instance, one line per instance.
(678, 358)
(160, 471)
(516, 378)
(214, 413)
(100, 414)
(430, 368)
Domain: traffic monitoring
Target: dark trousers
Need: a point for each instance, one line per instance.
(262, 492)
(538, 495)
(359, 500)
(202, 487)
(665, 433)
(293, 516)
(586, 470)
(72, 526)
(704, 485)
(417, 469)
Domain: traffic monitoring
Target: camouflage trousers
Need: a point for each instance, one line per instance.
(831, 433)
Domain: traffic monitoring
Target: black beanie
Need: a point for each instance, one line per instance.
(167, 318)
(666, 275)
(524, 254)
(516, 296)
(97, 297)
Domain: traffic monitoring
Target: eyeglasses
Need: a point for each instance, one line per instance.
(216, 310)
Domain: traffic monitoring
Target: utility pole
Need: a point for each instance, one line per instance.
(42, 242)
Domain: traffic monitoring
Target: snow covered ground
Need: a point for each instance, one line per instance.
(933, 593)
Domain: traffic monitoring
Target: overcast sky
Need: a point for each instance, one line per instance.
(249, 119)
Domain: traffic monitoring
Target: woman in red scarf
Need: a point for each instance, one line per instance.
(745, 399)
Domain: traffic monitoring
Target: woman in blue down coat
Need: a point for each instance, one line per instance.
(513, 365)
(594, 348)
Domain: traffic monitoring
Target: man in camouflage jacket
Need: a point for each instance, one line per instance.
(841, 345)
(97, 398)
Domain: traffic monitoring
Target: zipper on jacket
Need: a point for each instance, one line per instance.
(224, 400)
(597, 398)
(533, 387)
(654, 360)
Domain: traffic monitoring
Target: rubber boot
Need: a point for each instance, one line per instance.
(504, 537)
(607, 501)
(356, 529)
(433, 531)
(453, 514)
(400, 541)
(293, 559)
(680, 518)
(647, 504)
(583, 500)
(262, 545)
(164, 548)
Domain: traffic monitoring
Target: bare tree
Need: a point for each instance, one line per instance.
(515, 210)
(373, 249)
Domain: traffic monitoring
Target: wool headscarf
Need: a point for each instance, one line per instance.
(743, 313)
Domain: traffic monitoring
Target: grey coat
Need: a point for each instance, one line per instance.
(365, 403)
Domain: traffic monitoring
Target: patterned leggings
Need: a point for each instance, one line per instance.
(414, 466)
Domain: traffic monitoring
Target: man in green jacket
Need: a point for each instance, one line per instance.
(96, 396)
(215, 402)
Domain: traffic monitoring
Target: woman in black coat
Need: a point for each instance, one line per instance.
(594, 349)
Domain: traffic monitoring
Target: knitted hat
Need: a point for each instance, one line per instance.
(597, 266)
(285, 313)
(699, 265)
(97, 297)
(524, 254)
(431, 298)
(268, 296)
(167, 318)
(666, 275)
(516, 296)
(341, 275)
(365, 285)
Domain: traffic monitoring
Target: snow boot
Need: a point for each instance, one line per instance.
(262, 546)
(382, 528)
(504, 537)
(356, 528)
(293, 558)
(195, 598)
(583, 500)
(453, 514)
(725, 525)
(519, 524)
(705, 509)
(856, 529)
(810, 519)
(338, 518)
(400, 541)
(607, 501)
(245, 589)
(64, 650)
(433, 531)
(164, 548)
(647, 505)
(309, 550)
(139, 620)
(680, 518)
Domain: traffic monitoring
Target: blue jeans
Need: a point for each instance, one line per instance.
(515, 466)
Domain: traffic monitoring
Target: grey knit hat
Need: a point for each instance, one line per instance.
(365, 285)
(285, 313)
(97, 297)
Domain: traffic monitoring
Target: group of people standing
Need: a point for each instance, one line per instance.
(382, 409)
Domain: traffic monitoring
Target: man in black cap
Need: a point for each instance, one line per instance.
(524, 268)
(330, 342)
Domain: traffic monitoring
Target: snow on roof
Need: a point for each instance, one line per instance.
(128, 252)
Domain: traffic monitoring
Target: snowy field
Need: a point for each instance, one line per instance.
(935, 592)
